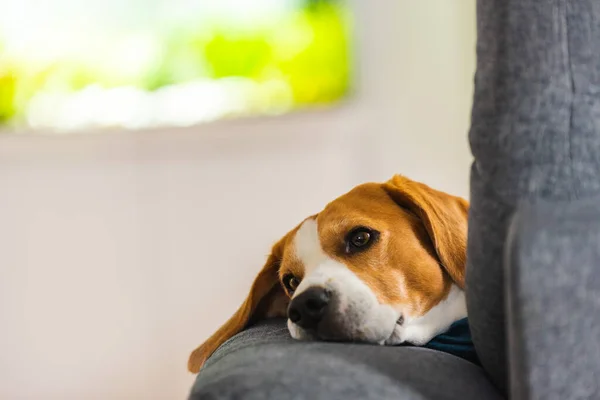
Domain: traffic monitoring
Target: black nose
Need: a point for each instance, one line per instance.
(308, 307)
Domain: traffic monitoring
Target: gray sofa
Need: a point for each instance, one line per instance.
(533, 271)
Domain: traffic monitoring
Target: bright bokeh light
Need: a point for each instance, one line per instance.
(74, 64)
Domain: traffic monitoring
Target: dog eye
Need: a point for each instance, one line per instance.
(359, 239)
(290, 282)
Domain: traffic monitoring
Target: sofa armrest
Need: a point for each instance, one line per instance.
(553, 300)
(264, 362)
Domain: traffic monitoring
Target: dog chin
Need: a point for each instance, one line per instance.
(298, 333)
(399, 334)
(374, 335)
(396, 337)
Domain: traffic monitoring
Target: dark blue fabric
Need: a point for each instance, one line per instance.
(457, 341)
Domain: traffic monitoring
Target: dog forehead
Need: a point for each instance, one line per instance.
(366, 200)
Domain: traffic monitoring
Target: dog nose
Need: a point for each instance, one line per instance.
(308, 308)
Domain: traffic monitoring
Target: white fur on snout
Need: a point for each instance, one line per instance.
(354, 313)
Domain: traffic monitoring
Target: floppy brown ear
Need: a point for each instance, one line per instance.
(444, 217)
(265, 300)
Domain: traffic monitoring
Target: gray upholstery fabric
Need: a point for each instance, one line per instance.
(535, 134)
(264, 362)
(553, 269)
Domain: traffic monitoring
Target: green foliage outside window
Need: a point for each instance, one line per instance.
(308, 51)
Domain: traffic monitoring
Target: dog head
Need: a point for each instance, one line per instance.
(384, 263)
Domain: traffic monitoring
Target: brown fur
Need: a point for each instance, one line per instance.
(444, 217)
(421, 230)
(264, 292)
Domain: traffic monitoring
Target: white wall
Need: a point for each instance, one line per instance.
(120, 252)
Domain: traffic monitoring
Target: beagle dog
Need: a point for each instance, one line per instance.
(382, 264)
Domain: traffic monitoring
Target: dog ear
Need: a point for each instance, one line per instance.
(445, 218)
(266, 299)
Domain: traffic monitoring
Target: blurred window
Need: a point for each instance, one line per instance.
(74, 64)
